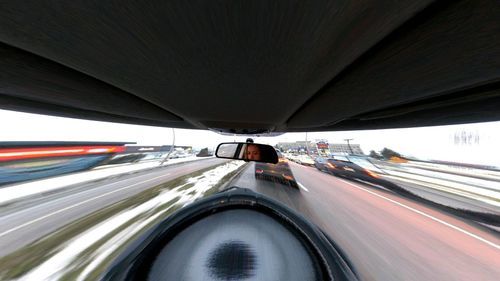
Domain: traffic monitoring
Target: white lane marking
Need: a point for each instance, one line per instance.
(302, 186)
(428, 216)
(76, 205)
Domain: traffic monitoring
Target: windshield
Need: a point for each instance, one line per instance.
(401, 204)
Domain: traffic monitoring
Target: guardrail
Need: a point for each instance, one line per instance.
(480, 185)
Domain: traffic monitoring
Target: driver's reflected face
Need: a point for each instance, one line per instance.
(253, 152)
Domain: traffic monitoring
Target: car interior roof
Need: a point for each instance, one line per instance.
(254, 66)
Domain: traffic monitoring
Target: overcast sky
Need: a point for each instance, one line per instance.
(477, 143)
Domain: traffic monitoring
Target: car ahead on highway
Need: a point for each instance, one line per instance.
(243, 68)
(320, 163)
(292, 157)
(341, 166)
(305, 160)
(279, 172)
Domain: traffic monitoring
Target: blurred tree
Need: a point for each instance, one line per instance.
(389, 153)
(374, 154)
(204, 153)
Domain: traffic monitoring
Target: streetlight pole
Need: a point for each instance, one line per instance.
(171, 148)
(349, 145)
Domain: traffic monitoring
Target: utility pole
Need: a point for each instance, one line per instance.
(171, 148)
(307, 145)
(349, 145)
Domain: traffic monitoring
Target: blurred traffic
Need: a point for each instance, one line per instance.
(24, 161)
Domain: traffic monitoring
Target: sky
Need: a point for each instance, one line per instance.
(469, 143)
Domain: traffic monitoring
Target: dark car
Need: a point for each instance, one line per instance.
(343, 167)
(320, 163)
(279, 172)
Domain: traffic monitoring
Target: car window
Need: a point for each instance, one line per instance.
(340, 158)
(364, 162)
(320, 159)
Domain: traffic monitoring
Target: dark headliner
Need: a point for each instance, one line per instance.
(254, 66)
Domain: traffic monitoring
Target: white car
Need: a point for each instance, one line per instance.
(305, 160)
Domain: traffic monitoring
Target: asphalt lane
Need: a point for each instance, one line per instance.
(386, 237)
(23, 223)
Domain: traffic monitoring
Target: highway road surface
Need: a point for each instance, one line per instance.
(25, 222)
(385, 236)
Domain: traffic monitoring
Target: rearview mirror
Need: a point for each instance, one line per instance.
(247, 151)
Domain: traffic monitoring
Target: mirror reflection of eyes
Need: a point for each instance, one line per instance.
(253, 152)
